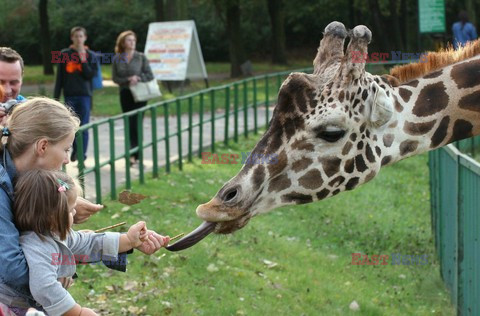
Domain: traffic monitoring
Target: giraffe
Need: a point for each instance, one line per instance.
(334, 129)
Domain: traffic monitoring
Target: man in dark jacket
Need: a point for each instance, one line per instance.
(76, 69)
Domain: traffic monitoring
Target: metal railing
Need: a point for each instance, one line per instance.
(455, 207)
(218, 108)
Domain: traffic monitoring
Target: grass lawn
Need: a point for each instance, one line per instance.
(291, 261)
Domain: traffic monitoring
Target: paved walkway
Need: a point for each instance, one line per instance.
(104, 145)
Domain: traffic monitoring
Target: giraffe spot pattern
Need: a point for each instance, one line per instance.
(360, 163)
(413, 83)
(466, 75)
(337, 181)
(461, 129)
(311, 180)
(418, 128)
(302, 144)
(331, 165)
(279, 183)
(349, 165)
(405, 94)
(341, 95)
(378, 151)
(393, 125)
(388, 139)
(434, 74)
(369, 154)
(370, 176)
(432, 99)
(346, 148)
(297, 198)
(386, 160)
(470, 102)
(398, 106)
(277, 168)
(258, 177)
(440, 132)
(301, 164)
(352, 183)
(360, 145)
(408, 146)
(323, 194)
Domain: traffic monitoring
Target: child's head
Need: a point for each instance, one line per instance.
(41, 121)
(45, 202)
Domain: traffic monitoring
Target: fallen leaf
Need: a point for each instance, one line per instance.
(130, 285)
(212, 268)
(354, 306)
(130, 198)
(269, 264)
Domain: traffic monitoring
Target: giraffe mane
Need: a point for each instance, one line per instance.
(435, 61)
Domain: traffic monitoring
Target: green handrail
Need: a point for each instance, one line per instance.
(192, 105)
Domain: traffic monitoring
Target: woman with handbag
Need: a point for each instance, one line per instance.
(129, 68)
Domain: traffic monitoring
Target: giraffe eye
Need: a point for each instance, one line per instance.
(330, 134)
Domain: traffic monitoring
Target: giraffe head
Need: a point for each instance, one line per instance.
(323, 133)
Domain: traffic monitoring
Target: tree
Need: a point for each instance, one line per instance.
(159, 11)
(234, 35)
(277, 21)
(45, 36)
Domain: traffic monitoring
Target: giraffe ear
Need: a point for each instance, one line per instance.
(381, 107)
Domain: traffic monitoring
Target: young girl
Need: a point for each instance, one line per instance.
(44, 208)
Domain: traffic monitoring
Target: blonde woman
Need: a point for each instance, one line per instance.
(129, 68)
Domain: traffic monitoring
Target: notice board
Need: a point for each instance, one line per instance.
(174, 51)
(431, 16)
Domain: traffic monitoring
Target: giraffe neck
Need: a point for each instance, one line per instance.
(433, 111)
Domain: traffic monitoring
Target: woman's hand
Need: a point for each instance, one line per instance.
(85, 209)
(133, 80)
(153, 243)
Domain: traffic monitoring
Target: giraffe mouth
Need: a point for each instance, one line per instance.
(206, 228)
(194, 237)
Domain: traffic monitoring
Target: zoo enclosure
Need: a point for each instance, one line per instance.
(455, 207)
(222, 109)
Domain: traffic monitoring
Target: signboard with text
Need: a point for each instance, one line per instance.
(174, 52)
(431, 15)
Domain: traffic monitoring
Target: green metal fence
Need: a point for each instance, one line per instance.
(455, 205)
(174, 123)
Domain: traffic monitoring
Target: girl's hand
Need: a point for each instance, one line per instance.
(153, 243)
(137, 234)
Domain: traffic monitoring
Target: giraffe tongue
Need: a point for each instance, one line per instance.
(191, 239)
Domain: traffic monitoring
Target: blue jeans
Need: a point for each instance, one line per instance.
(81, 105)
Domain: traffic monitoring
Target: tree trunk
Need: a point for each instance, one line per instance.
(237, 55)
(159, 11)
(171, 10)
(277, 20)
(397, 33)
(377, 21)
(45, 36)
(470, 7)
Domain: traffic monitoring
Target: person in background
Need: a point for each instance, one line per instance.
(463, 31)
(11, 73)
(75, 77)
(126, 74)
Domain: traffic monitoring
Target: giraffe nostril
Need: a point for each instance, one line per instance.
(230, 195)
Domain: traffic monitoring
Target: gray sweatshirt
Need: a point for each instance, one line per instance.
(138, 65)
(52, 258)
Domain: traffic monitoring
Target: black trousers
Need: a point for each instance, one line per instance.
(128, 104)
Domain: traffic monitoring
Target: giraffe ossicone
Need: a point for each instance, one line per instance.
(334, 129)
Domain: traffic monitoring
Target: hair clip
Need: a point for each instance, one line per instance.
(5, 131)
(63, 186)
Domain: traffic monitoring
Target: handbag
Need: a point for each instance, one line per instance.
(144, 91)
